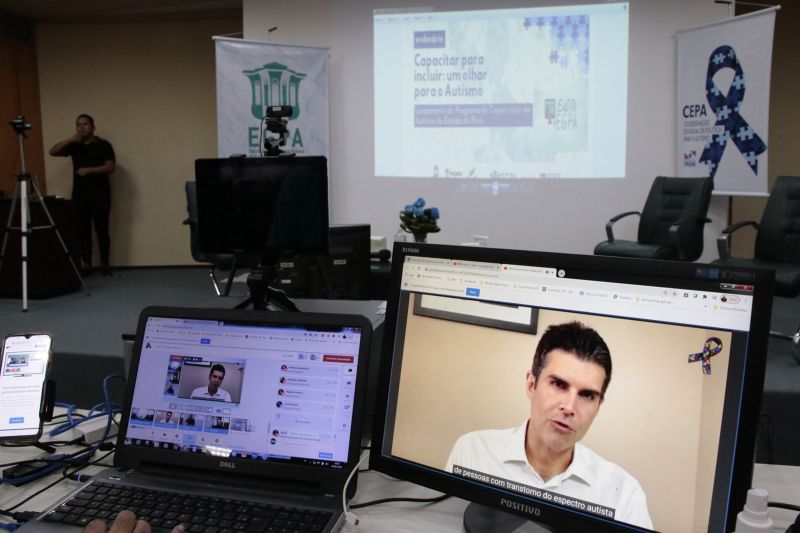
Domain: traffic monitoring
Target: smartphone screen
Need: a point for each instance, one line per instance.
(22, 375)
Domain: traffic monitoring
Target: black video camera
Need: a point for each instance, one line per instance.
(277, 118)
(19, 124)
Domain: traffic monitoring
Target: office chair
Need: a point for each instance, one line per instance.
(226, 262)
(777, 245)
(670, 224)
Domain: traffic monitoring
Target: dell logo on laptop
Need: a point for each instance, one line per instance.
(227, 464)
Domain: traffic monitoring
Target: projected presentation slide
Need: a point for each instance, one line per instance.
(502, 94)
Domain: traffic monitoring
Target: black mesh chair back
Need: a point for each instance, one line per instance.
(671, 222)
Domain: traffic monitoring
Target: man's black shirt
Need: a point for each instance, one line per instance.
(92, 154)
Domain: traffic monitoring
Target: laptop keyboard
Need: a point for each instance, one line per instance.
(199, 514)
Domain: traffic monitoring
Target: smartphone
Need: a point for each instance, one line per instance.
(23, 372)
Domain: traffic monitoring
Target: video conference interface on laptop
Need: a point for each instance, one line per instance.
(244, 391)
(678, 361)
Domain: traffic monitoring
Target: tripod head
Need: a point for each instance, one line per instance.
(19, 125)
(277, 119)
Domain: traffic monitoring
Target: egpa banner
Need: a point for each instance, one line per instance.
(723, 102)
(253, 75)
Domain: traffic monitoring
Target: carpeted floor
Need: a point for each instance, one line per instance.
(93, 324)
(87, 329)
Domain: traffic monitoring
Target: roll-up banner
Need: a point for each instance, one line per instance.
(722, 107)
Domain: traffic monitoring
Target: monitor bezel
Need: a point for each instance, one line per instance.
(607, 269)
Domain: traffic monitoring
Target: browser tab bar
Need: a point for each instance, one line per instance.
(546, 287)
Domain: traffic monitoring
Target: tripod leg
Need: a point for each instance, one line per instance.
(58, 236)
(24, 213)
(231, 274)
(8, 224)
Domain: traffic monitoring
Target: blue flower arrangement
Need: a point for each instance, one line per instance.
(419, 220)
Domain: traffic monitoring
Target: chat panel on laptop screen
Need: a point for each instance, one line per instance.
(243, 391)
(654, 449)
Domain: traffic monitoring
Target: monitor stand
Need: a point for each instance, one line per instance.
(262, 295)
(482, 519)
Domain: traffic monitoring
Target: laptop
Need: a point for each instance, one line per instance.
(260, 409)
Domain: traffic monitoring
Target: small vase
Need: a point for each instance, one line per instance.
(420, 237)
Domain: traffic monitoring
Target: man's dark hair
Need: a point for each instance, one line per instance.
(573, 337)
(87, 117)
(217, 367)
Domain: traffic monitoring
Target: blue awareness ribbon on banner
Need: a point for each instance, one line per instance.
(711, 348)
(726, 108)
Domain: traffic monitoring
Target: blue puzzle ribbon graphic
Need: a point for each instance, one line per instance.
(712, 347)
(726, 107)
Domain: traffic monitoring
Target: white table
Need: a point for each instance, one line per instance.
(782, 483)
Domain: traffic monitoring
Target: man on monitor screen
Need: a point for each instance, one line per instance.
(213, 391)
(566, 386)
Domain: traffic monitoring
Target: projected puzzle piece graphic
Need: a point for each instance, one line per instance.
(566, 33)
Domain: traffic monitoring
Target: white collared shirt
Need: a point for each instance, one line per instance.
(202, 392)
(589, 477)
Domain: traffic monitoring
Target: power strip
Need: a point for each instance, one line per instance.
(93, 429)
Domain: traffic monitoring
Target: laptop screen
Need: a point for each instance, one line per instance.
(272, 392)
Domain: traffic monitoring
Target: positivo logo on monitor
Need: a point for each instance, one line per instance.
(737, 275)
(520, 507)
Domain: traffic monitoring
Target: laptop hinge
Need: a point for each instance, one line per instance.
(241, 480)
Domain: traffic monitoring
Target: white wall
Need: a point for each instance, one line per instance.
(567, 216)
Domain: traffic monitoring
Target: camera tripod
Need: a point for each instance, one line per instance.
(21, 196)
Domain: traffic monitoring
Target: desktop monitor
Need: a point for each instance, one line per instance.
(496, 360)
(266, 206)
(345, 269)
(341, 273)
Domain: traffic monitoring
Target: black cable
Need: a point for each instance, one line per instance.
(53, 422)
(81, 467)
(49, 443)
(57, 481)
(261, 138)
(32, 496)
(780, 505)
(62, 459)
(390, 500)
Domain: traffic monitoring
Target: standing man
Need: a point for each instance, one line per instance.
(565, 386)
(93, 160)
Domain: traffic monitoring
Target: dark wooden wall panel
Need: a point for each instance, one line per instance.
(19, 94)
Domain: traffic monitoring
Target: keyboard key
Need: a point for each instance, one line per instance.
(55, 516)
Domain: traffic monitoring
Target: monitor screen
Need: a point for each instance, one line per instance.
(587, 393)
(264, 205)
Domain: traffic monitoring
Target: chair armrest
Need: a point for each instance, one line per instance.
(612, 220)
(723, 241)
(674, 236)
